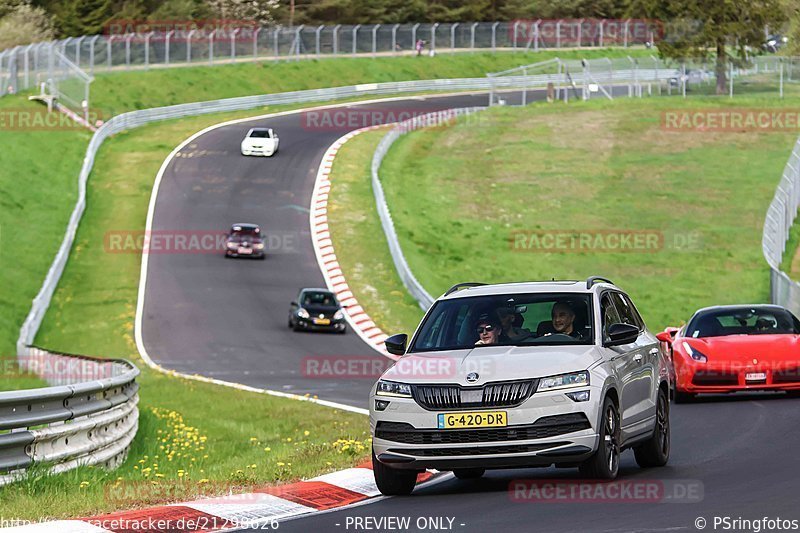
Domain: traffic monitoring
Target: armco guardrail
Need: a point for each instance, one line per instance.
(780, 217)
(89, 416)
(423, 298)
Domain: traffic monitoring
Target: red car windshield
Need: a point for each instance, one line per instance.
(743, 321)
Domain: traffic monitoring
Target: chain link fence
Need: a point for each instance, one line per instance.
(23, 67)
(781, 216)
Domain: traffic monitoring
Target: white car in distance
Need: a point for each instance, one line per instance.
(260, 141)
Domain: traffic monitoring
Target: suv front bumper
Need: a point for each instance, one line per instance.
(548, 428)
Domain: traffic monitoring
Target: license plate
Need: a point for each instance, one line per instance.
(322, 321)
(755, 376)
(245, 251)
(485, 419)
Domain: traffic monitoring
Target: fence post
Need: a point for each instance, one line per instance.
(494, 37)
(166, 46)
(78, 50)
(317, 37)
(536, 35)
(394, 38)
(625, 29)
(189, 46)
(91, 54)
(600, 40)
(355, 38)
(516, 27)
(211, 46)
(336, 39)
(255, 42)
(375, 39)
(128, 50)
(147, 50)
(781, 82)
(414, 35)
(108, 50)
(453, 35)
(298, 41)
(580, 32)
(27, 66)
(558, 33)
(433, 36)
(730, 79)
(472, 36)
(277, 52)
(233, 44)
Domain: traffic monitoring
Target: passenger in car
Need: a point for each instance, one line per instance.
(488, 330)
(511, 325)
(564, 320)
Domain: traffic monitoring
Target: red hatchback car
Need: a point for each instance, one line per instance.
(735, 348)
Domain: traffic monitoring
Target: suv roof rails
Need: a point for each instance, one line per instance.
(459, 286)
(595, 279)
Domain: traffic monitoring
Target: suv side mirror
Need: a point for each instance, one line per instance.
(619, 334)
(396, 344)
(294, 304)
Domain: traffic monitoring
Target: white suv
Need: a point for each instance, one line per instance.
(528, 374)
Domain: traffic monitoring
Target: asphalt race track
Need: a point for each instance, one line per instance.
(227, 319)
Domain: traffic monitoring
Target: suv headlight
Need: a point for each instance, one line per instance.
(302, 313)
(259, 246)
(338, 315)
(390, 388)
(564, 381)
(232, 245)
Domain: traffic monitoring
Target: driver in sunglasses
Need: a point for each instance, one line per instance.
(488, 330)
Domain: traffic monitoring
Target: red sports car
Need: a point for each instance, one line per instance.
(735, 348)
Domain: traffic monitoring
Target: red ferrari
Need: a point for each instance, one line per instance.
(735, 348)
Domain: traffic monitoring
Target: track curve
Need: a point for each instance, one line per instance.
(227, 319)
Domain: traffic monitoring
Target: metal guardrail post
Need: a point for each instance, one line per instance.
(516, 28)
(453, 35)
(211, 46)
(433, 37)
(78, 43)
(414, 35)
(147, 50)
(394, 38)
(558, 33)
(109, 42)
(600, 37)
(255, 42)
(92, 44)
(275, 34)
(625, 29)
(375, 39)
(494, 36)
(167, 38)
(233, 44)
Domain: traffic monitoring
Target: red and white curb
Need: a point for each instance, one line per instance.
(358, 319)
(228, 513)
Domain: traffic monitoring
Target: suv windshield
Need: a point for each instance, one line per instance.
(745, 321)
(508, 319)
(262, 134)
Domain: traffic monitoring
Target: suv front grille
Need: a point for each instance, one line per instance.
(501, 394)
(545, 427)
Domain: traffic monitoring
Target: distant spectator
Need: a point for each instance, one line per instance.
(420, 46)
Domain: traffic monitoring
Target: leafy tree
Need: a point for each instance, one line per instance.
(723, 30)
(24, 24)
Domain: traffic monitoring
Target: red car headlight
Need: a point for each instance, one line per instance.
(694, 353)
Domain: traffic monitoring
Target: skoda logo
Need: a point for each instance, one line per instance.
(472, 377)
(755, 361)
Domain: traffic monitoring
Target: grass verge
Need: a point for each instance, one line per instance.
(117, 92)
(205, 440)
(458, 195)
